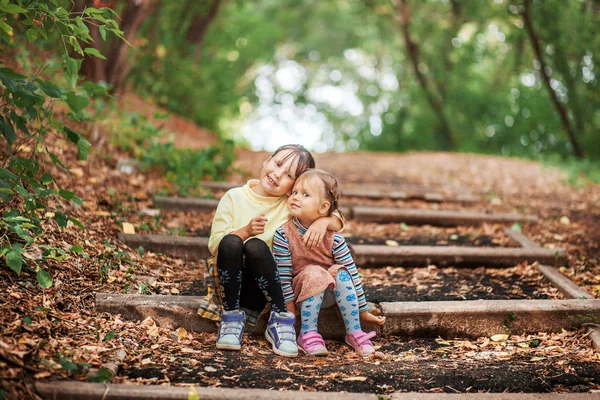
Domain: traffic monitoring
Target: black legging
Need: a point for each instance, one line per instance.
(248, 275)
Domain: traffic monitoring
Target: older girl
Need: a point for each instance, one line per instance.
(245, 278)
(322, 276)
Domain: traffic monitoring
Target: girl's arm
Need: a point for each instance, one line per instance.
(316, 231)
(283, 259)
(222, 223)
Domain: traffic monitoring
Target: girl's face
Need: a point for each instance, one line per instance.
(277, 175)
(307, 202)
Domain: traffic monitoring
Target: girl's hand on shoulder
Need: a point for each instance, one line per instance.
(256, 226)
(369, 318)
(315, 233)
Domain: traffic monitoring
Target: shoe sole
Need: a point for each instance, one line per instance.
(276, 350)
(321, 354)
(360, 353)
(229, 347)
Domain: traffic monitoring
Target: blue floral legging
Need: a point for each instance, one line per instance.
(345, 297)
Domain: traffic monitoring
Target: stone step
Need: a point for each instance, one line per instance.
(404, 194)
(194, 248)
(468, 318)
(434, 217)
(381, 256)
(185, 247)
(371, 214)
(70, 390)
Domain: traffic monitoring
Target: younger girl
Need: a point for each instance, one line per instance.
(241, 236)
(325, 275)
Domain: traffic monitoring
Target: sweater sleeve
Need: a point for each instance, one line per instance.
(283, 258)
(222, 223)
(340, 216)
(342, 256)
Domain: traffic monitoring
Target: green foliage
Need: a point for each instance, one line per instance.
(28, 124)
(184, 168)
(102, 376)
(112, 258)
(477, 58)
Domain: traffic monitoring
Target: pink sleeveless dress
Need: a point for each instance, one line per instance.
(313, 270)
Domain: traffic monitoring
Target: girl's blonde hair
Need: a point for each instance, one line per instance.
(298, 154)
(330, 186)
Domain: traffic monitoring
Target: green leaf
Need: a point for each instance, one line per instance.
(8, 130)
(94, 89)
(516, 227)
(44, 279)
(61, 219)
(77, 249)
(76, 222)
(56, 160)
(31, 34)
(102, 31)
(93, 52)
(6, 27)
(27, 321)
(68, 365)
(102, 376)
(84, 148)
(14, 260)
(110, 335)
(77, 103)
(4, 174)
(51, 90)
(66, 194)
(12, 9)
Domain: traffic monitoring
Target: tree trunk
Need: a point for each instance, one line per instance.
(445, 134)
(560, 108)
(118, 67)
(200, 23)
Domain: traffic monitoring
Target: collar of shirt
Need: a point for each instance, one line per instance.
(299, 225)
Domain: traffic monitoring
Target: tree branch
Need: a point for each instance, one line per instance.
(560, 108)
(445, 135)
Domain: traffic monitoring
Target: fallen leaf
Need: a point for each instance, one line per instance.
(128, 228)
(181, 333)
(356, 378)
(210, 369)
(537, 358)
(499, 338)
(391, 243)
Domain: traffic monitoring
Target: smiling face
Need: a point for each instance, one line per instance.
(307, 202)
(278, 174)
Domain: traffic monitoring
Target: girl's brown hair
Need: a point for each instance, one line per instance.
(299, 154)
(330, 184)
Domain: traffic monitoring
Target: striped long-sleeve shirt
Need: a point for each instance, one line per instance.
(341, 255)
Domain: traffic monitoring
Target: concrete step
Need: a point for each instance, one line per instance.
(68, 390)
(372, 214)
(194, 248)
(469, 318)
(405, 193)
(434, 217)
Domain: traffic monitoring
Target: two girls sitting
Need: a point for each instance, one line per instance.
(314, 265)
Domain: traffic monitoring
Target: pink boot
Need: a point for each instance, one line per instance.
(312, 343)
(359, 340)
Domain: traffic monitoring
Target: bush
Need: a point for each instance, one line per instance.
(185, 168)
(28, 124)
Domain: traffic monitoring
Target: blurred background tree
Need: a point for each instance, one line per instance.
(509, 77)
